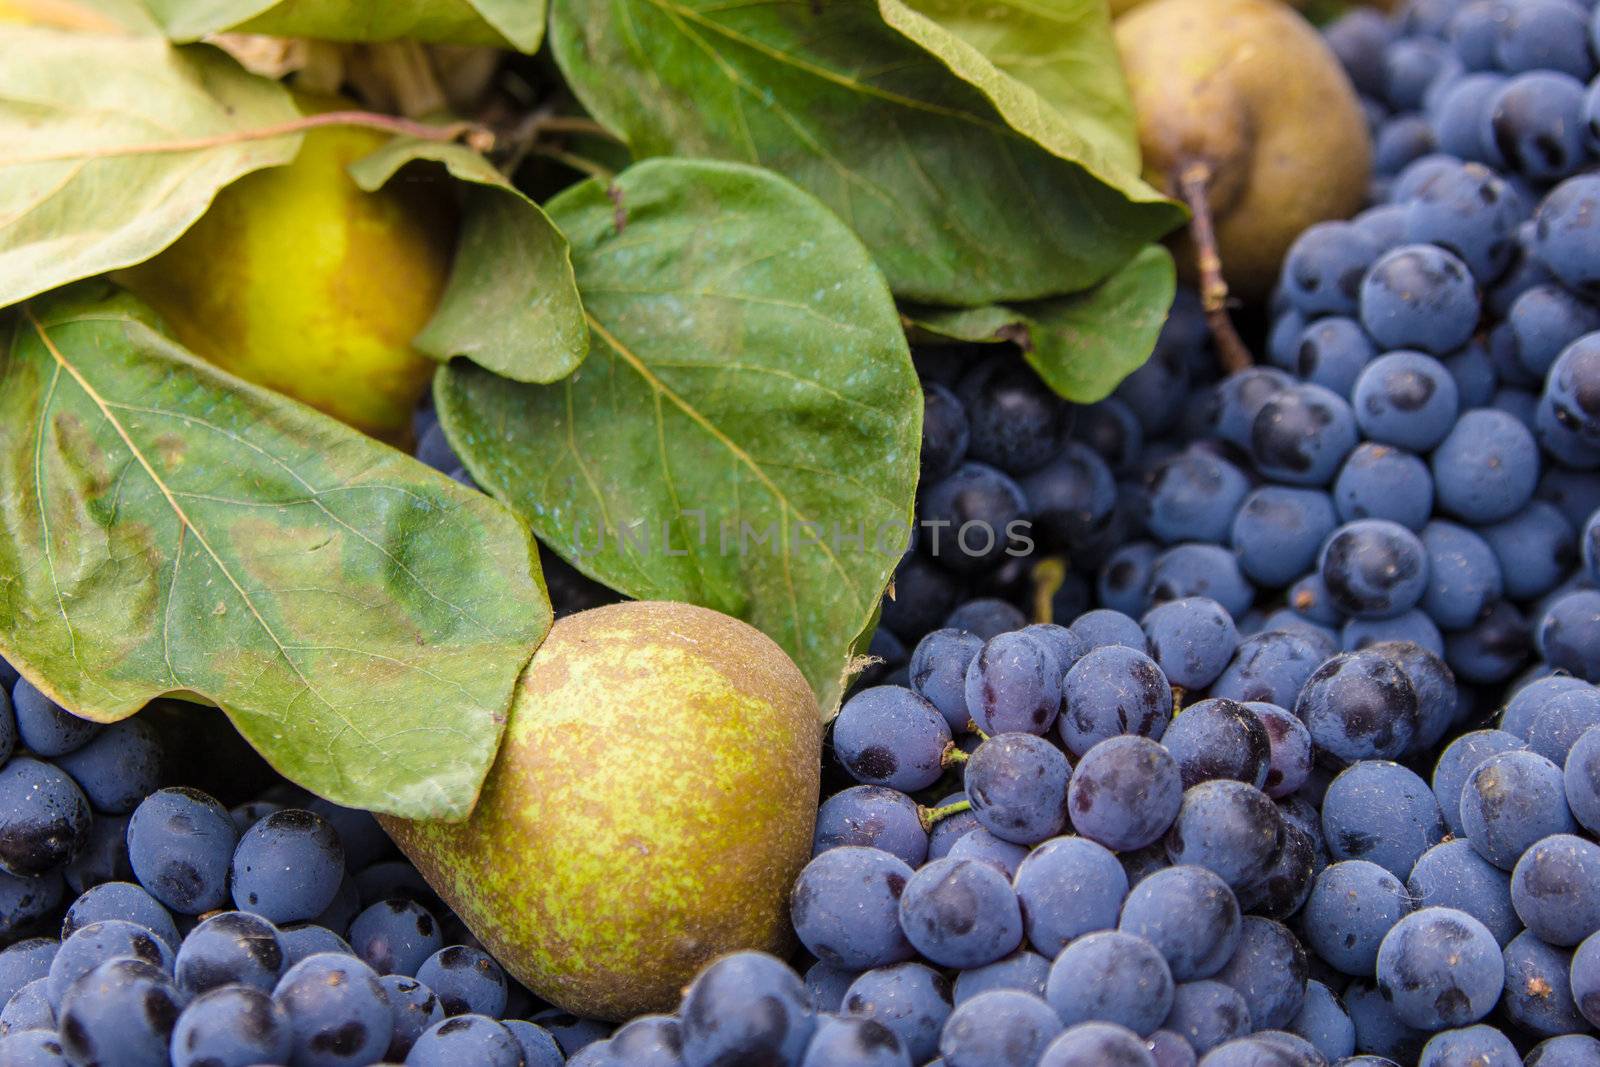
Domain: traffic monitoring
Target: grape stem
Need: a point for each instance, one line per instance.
(1194, 181)
(931, 816)
(952, 756)
(972, 728)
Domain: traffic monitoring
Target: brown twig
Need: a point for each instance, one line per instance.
(1194, 180)
(453, 131)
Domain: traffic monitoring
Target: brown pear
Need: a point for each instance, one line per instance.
(650, 808)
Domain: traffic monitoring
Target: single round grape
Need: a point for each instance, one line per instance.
(1219, 738)
(1125, 792)
(229, 948)
(395, 936)
(960, 913)
(1097, 1044)
(1282, 890)
(1022, 970)
(120, 766)
(120, 900)
(44, 817)
(945, 432)
(1195, 569)
(1555, 888)
(939, 673)
(1207, 1013)
(846, 905)
(1017, 784)
(1565, 718)
(99, 942)
(231, 1025)
(1068, 887)
(977, 506)
(1509, 801)
(1191, 639)
(980, 844)
(1374, 568)
(1193, 496)
(1359, 705)
(1015, 422)
(1111, 976)
(1535, 122)
(29, 1009)
(180, 843)
(1568, 1050)
(1568, 634)
(1383, 812)
(888, 735)
(1581, 779)
(1270, 667)
(1072, 499)
(1492, 649)
(121, 1012)
(1014, 685)
(872, 816)
(912, 1000)
(1378, 1029)
(1268, 968)
(475, 1039)
(1481, 1045)
(288, 866)
(1323, 1022)
(466, 980)
(1384, 482)
(1110, 691)
(1302, 434)
(1290, 751)
(1464, 575)
(1566, 232)
(415, 1008)
(1440, 968)
(1421, 297)
(1001, 1028)
(44, 727)
(1228, 827)
(1353, 905)
(1538, 987)
(1452, 875)
(1190, 915)
(1125, 577)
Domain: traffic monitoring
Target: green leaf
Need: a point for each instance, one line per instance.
(515, 23)
(512, 303)
(89, 178)
(747, 364)
(166, 528)
(84, 16)
(957, 206)
(1081, 345)
(1049, 66)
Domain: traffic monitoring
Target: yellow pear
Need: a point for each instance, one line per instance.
(299, 280)
(650, 808)
(1245, 113)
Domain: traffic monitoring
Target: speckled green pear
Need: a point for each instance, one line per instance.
(650, 808)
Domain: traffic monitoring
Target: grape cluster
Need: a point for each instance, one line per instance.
(148, 925)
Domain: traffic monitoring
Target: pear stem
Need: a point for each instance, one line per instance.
(930, 816)
(476, 136)
(1194, 181)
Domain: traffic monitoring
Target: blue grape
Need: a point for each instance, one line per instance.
(1001, 1028)
(1191, 640)
(466, 981)
(1022, 970)
(1406, 399)
(1097, 1044)
(1581, 779)
(981, 845)
(1482, 1046)
(338, 1011)
(1207, 1014)
(120, 900)
(32, 1048)
(180, 843)
(1409, 627)
(25, 901)
(945, 432)
(1111, 428)
(1555, 888)
(1234, 401)
(960, 913)
(1568, 634)
(395, 878)
(1331, 353)
(1359, 705)
(1565, 718)
(121, 1012)
(1017, 784)
(645, 1041)
(1014, 685)
(1412, 64)
(22, 962)
(1169, 1049)
(288, 866)
(939, 673)
(1352, 905)
(1576, 493)
(1111, 976)
(1228, 827)
(1383, 812)
(46, 728)
(1421, 297)
(1269, 970)
(925, 594)
(1278, 530)
(119, 767)
(874, 817)
(1110, 691)
(1378, 1029)
(1440, 968)
(1219, 738)
(845, 907)
(1567, 233)
(230, 948)
(1535, 548)
(29, 1008)
(1453, 875)
(1511, 800)
(1464, 576)
(1323, 268)
(1302, 434)
(1190, 915)
(746, 1008)
(99, 942)
(1492, 649)
(1590, 545)
(1438, 698)
(1125, 792)
(1270, 667)
(827, 984)
(976, 498)
(1359, 38)
(1195, 569)
(1193, 496)
(1125, 577)
(44, 817)
(475, 1039)
(911, 1000)
(1538, 989)
(1473, 370)
(1383, 482)
(1458, 760)
(1535, 122)
(434, 449)
(950, 829)
(1071, 499)
(1462, 116)
(1323, 1022)
(1400, 140)
(1585, 977)
(1156, 391)
(1068, 887)
(852, 1042)
(1014, 421)
(1290, 751)
(1102, 628)
(1568, 1050)
(415, 1008)
(1543, 321)
(573, 1033)
(395, 936)
(1374, 568)
(888, 735)
(1544, 35)
(232, 1026)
